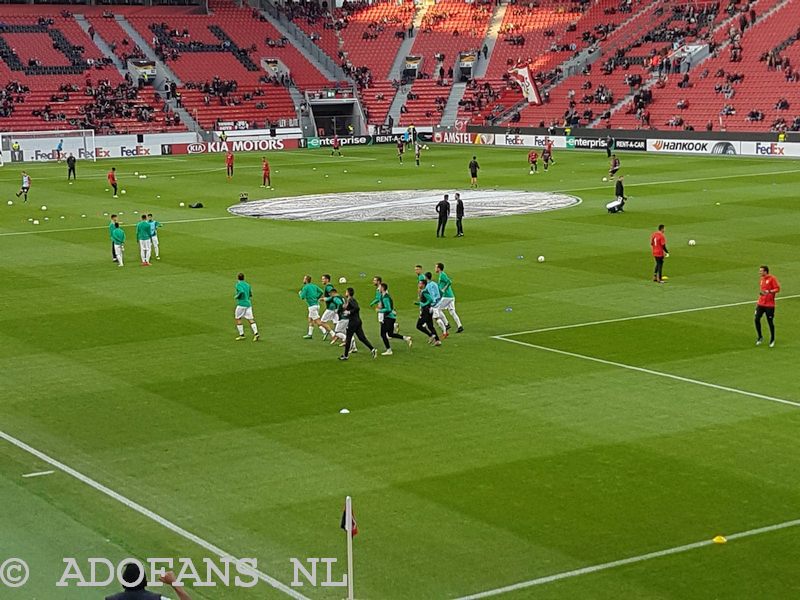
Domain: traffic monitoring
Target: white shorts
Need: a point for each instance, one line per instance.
(144, 244)
(447, 303)
(118, 249)
(380, 317)
(330, 315)
(436, 312)
(154, 239)
(244, 312)
(341, 326)
(313, 312)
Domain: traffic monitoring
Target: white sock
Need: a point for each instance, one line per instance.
(254, 327)
(442, 325)
(323, 330)
(341, 336)
(240, 329)
(455, 318)
(155, 247)
(147, 255)
(310, 330)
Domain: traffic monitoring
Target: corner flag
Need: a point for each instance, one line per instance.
(352, 520)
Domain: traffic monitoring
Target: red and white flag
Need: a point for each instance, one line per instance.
(523, 76)
(354, 525)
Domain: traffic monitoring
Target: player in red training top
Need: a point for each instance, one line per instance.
(658, 243)
(548, 147)
(112, 179)
(265, 180)
(547, 154)
(336, 145)
(766, 304)
(533, 159)
(229, 164)
(401, 148)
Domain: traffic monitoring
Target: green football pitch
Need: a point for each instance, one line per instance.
(586, 436)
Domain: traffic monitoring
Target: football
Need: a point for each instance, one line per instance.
(541, 259)
(605, 178)
(342, 280)
(692, 242)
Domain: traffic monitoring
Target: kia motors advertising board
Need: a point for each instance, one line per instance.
(693, 147)
(238, 145)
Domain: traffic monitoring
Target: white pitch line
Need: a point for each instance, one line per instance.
(38, 474)
(611, 363)
(10, 233)
(626, 561)
(637, 317)
(692, 180)
(146, 512)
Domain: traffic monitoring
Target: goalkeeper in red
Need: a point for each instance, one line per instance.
(766, 304)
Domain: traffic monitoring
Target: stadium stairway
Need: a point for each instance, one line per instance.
(100, 43)
(163, 72)
(162, 69)
(490, 40)
(300, 40)
(458, 89)
(397, 103)
(405, 50)
(451, 108)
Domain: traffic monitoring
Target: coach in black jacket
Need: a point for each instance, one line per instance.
(459, 215)
(355, 327)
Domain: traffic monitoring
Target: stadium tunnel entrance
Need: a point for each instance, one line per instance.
(401, 205)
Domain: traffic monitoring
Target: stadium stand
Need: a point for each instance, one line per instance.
(53, 68)
(623, 66)
(57, 78)
(757, 92)
(364, 40)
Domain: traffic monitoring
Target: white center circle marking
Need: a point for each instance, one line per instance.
(401, 205)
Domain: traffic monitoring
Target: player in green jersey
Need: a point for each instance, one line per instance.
(448, 301)
(244, 308)
(330, 314)
(143, 236)
(154, 227)
(311, 293)
(118, 239)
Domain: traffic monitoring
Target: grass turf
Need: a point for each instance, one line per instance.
(472, 466)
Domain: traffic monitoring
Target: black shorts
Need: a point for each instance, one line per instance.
(769, 311)
(613, 170)
(546, 158)
(473, 174)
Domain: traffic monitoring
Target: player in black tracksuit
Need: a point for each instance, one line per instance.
(443, 210)
(354, 326)
(459, 215)
(70, 167)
